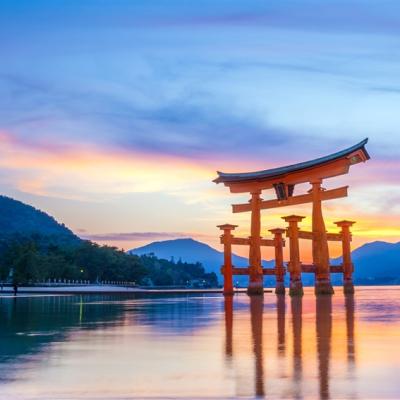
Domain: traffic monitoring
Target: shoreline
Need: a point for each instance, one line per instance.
(110, 289)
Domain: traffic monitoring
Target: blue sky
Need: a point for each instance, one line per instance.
(117, 102)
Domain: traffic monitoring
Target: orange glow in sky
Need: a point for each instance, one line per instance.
(88, 176)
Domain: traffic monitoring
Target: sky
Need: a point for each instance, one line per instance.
(116, 115)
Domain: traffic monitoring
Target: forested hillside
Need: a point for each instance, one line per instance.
(23, 219)
(34, 247)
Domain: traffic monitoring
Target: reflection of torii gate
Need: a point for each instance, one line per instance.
(283, 181)
(323, 332)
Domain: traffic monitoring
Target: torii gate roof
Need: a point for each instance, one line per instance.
(353, 155)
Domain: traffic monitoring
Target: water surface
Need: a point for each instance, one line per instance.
(201, 346)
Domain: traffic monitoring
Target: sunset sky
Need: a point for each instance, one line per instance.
(115, 115)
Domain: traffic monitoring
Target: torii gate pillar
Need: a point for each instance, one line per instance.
(227, 241)
(296, 286)
(348, 287)
(279, 267)
(320, 249)
(256, 282)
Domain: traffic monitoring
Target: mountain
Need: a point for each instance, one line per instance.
(375, 262)
(192, 251)
(19, 219)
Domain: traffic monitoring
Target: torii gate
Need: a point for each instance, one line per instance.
(283, 181)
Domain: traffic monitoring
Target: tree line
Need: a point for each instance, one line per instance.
(27, 260)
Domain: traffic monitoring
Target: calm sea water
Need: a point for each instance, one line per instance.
(201, 346)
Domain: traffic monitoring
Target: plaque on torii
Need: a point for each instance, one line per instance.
(282, 181)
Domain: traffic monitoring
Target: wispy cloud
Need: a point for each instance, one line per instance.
(185, 127)
(141, 236)
(88, 172)
(386, 89)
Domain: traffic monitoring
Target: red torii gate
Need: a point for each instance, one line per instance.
(283, 181)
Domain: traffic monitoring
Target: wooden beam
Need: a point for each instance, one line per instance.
(240, 271)
(334, 237)
(336, 269)
(236, 240)
(236, 270)
(294, 200)
(246, 241)
(306, 268)
(310, 268)
(245, 271)
(269, 271)
(238, 208)
(241, 241)
(330, 236)
(268, 242)
(305, 235)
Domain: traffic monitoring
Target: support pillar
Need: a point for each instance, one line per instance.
(294, 265)
(348, 287)
(226, 239)
(228, 327)
(279, 268)
(320, 243)
(256, 311)
(297, 332)
(349, 307)
(256, 277)
(281, 320)
(324, 338)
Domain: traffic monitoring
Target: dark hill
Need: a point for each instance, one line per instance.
(376, 262)
(19, 219)
(190, 250)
